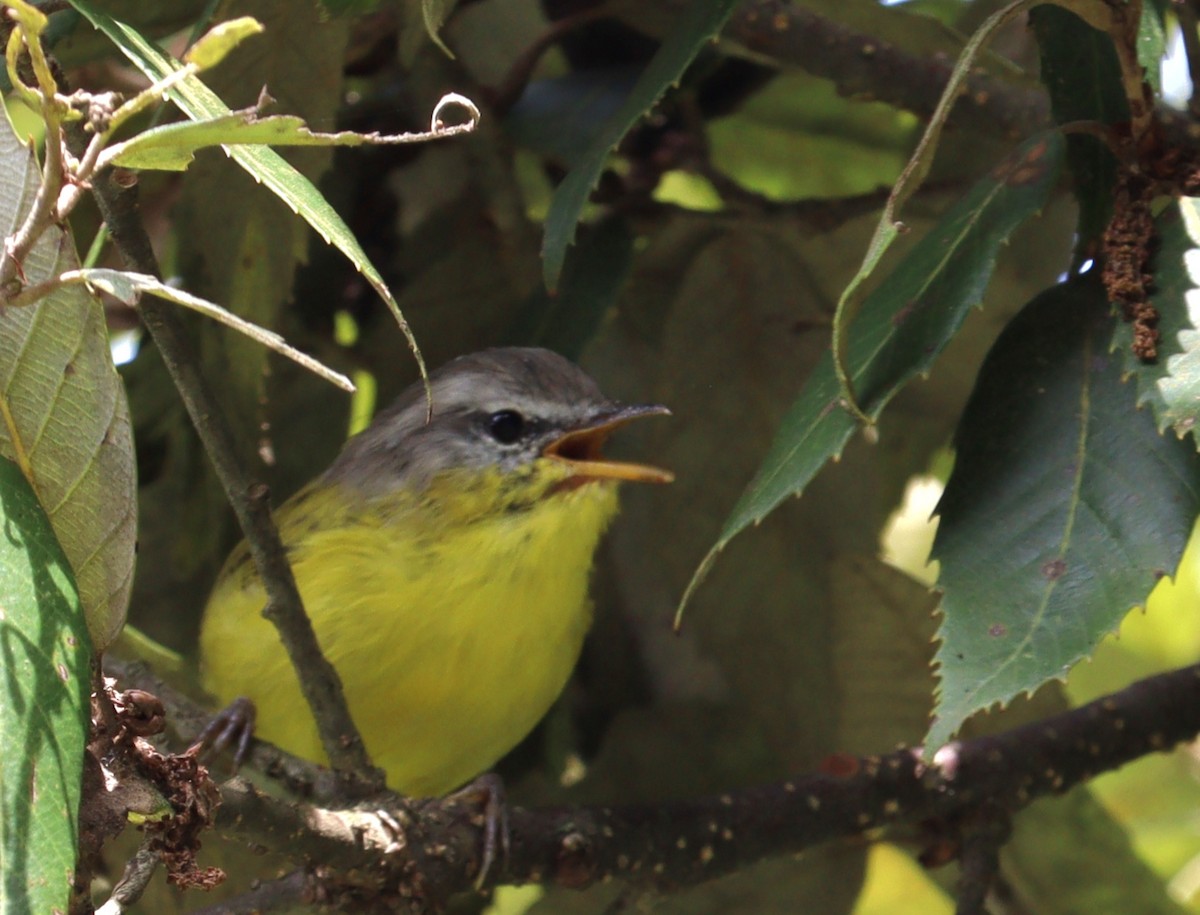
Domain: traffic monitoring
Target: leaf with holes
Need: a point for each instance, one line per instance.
(65, 418)
(1065, 507)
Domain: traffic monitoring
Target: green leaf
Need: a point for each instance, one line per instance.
(1152, 45)
(1080, 70)
(265, 165)
(212, 47)
(1059, 847)
(435, 13)
(63, 414)
(889, 226)
(1064, 508)
(595, 273)
(881, 644)
(900, 330)
(1171, 383)
(696, 27)
(43, 707)
(798, 138)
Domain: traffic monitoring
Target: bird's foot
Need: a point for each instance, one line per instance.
(233, 726)
(488, 792)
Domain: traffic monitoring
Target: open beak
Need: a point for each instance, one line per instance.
(581, 447)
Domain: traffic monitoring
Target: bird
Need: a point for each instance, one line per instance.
(444, 560)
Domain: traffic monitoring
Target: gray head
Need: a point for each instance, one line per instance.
(500, 408)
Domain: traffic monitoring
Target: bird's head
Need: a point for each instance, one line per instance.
(522, 412)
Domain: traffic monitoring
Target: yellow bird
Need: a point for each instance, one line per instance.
(444, 565)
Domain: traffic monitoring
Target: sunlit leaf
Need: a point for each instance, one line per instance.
(44, 669)
(222, 38)
(129, 287)
(198, 102)
(65, 420)
(1065, 507)
(798, 138)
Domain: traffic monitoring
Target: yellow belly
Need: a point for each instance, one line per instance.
(453, 629)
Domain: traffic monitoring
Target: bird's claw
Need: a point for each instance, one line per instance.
(233, 726)
(488, 791)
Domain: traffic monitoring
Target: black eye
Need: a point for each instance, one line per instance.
(506, 426)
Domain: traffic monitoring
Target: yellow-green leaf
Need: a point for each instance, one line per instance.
(222, 38)
(65, 420)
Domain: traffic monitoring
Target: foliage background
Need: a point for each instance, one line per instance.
(705, 277)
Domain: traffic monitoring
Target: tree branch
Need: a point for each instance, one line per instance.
(320, 683)
(984, 833)
(291, 894)
(423, 851)
(863, 66)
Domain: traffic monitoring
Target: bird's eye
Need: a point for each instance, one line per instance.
(506, 426)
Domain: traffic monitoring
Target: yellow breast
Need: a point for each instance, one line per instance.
(453, 618)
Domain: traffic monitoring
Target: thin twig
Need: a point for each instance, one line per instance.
(139, 871)
(984, 831)
(320, 683)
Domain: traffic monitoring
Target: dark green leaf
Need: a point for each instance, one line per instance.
(595, 273)
(1171, 383)
(901, 328)
(1064, 508)
(696, 27)
(44, 668)
(1060, 845)
(435, 13)
(561, 117)
(345, 9)
(1079, 67)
